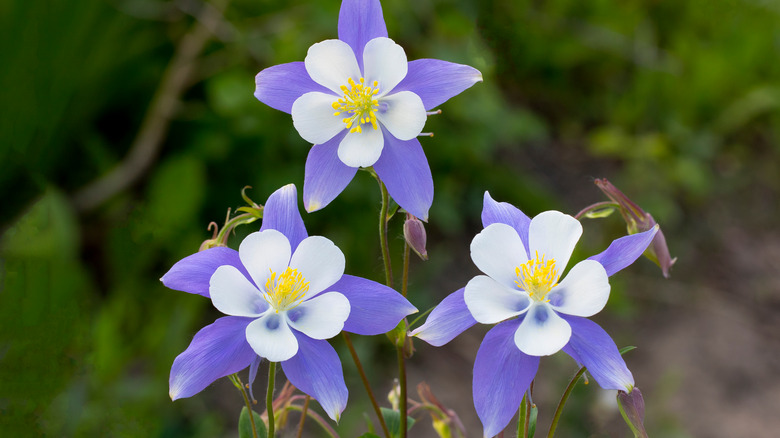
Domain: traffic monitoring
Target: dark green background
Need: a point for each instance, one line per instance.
(674, 102)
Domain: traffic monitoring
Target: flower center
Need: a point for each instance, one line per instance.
(285, 291)
(537, 276)
(358, 104)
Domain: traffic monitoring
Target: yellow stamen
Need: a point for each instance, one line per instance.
(359, 104)
(285, 291)
(537, 277)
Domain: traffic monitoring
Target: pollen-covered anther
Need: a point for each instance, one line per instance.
(358, 104)
(537, 277)
(285, 291)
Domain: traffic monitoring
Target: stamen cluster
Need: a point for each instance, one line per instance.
(537, 277)
(359, 103)
(285, 291)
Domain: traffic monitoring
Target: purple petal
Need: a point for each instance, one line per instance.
(192, 273)
(279, 86)
(375, 308)
(622, 252)
(404, 170)
(592, 347)
(326, 176)
(502, 374)
(437, 81)
(449, 319)
(505, 213)
(217, 350)
(316, 370)
(360, 21)
(281, 214)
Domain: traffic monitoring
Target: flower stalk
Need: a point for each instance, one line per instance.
(383, 232)
(240, 385)
(562, 403)
(303, 416)
(269, 398)
(366, 385)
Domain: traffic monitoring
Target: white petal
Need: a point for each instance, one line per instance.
(321, 317)
(263, 252)
(554, 235)
(361, 149)
(403, 114)
(330, 63)
(542, 331)
(320, 262)
(384, 61)
(490, 302)
(313, 117)
(233, 294)
(584, 291)
(271, 337)
(497, 251)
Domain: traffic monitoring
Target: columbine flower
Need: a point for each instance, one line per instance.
(361, 104)
(538, 311)
(285, 293)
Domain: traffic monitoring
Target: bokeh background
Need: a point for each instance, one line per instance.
(675, 102)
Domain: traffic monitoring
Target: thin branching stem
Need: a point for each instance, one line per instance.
(238, 384)
(405, 276)
(522, 415)
(593, 207)
(303, 416)
(367, 385)
(383, 233)
(402, 383)
(564, 397)
(317, 419)
(269, 398)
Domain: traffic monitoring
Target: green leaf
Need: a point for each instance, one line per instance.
(245, 425)
(626, 349)
(532, 421)
(393, 421)
(369, 435)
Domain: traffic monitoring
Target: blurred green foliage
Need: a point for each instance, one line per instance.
(676, 106)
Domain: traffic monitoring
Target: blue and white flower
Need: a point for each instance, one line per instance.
(285, 293)
(361, 104)
(538, 311)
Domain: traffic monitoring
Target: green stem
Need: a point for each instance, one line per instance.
(269, 398)
(317, 419)
(238, 384)
(402, 383)
(405, 276)
(244, 218)
(595, 206)
(420, 316)
(522, 430)
(303, 415)
(564, 397)
(363, 377)
(383, 233)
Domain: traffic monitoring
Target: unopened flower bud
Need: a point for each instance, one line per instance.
(632, 407)
(394, 396)
(637, 221)
(414, 233)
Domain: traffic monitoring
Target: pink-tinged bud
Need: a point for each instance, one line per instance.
(414, 233)
(632, 407)
(637, 221)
